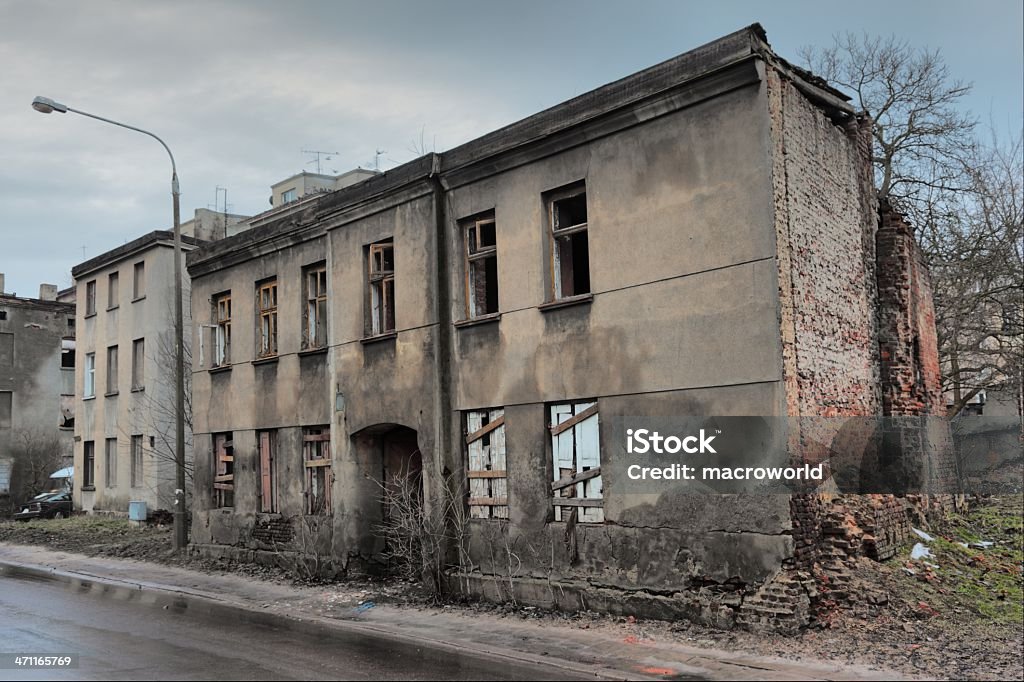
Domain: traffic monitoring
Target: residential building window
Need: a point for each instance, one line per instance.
(110, 463)
(315, 332)
(576, 451)
(90, 298)
(139, 281)
(138, 364)
(570, 251)
(112, 293)
(268, 474)
(382, 287)
(6, 409)
(67, 353)
(222, 331)
(89, 464)
(266, 300)
(224, 470)
(316, 456)
(137, 462)
(481, 263)
(89, 390)
(289, 195)
(488, 480)
(111, 370)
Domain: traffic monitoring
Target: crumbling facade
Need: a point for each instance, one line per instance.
(696, 239)
(37, 352)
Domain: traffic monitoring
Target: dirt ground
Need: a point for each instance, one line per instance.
(955, 614)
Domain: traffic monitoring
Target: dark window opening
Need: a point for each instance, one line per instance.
(570, 247)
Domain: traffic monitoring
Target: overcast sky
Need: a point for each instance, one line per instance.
(238, 89)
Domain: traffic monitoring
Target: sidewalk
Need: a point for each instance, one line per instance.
(603, 653)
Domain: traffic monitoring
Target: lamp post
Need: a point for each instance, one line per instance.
(45, 105)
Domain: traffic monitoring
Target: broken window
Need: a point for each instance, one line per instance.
(266, 301)
(136, 455)
(576, 451)
(316, 456)
(111, 370)
(481, 267)
(570, 251)
(112, 293)
(89, 389)
(382, 288)
(110, 463)
(67, 354)
(268, 480)
(89, 464)
(138, 364)
(90, 298)
(224, 470)
(315, 332)
(488, 481)
(222, 330)
(139, 283)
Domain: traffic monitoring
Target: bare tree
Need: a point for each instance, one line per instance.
(35, 455)
(921, 136)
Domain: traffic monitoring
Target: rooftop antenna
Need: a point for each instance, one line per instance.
(326, 155)
(376, 158)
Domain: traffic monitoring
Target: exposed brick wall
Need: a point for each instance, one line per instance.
(908, 345)
(272, 531)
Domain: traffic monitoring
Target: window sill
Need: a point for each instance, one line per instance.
(219, 369)
(138, 298)
(566, 302)
(138, 389)
(89, 397)
(111, 394)
(474, 321)
(113, 307)
(88, 315)
(367, 340)
(313, 351)
(265, 361)
(88, 488)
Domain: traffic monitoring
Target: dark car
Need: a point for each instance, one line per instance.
(49, 506)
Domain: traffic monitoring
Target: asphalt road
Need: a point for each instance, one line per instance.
(119, 633)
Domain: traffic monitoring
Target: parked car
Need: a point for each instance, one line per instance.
(46, 506)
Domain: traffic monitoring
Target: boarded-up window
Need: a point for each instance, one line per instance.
(576, 451)
(137, 471)
(266, 302)
(111, 370)
(90, 298)
(382, 288)
(112, 291)
(139, 283)
(481, 267)
(316, 456)
(488, 480)
(224, 470)
(268, 477)
(110, 464)
(222, 341)
(315, 332)
(570, 248)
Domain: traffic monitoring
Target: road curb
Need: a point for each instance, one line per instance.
(177, 598)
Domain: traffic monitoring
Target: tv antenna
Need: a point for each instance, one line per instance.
(376, 158)
(326, 156)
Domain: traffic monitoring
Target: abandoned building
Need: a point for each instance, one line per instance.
(695, 239)
(37, 373)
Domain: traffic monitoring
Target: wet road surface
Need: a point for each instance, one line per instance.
(120, 633)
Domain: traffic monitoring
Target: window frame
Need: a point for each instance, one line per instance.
(89, 465)
(139, 364)
(112, 370)
(266, 444)
(381, 297)
(137, 453)
(574, 426)
(556, 232)
(110, 463)
(90, 298)
(316, 460)
(113, 291)
(223, 470)
(139, 281)
(486, 463)
(474, 251)
(267, 318)
(222, 330)
(315, 331)
(89, 376)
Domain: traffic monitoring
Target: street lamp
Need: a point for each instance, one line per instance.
(45, 105)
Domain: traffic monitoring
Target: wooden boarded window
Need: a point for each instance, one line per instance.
(137, 470)
(316, 456)
(481, 267)
(110, 463)
(315, 332)
(382, 288)
(576, 451)
(268, 478)
(570, 248)
(488, 480)
(222, 331)
(111, 370)
(266, 301)
(224, 470)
